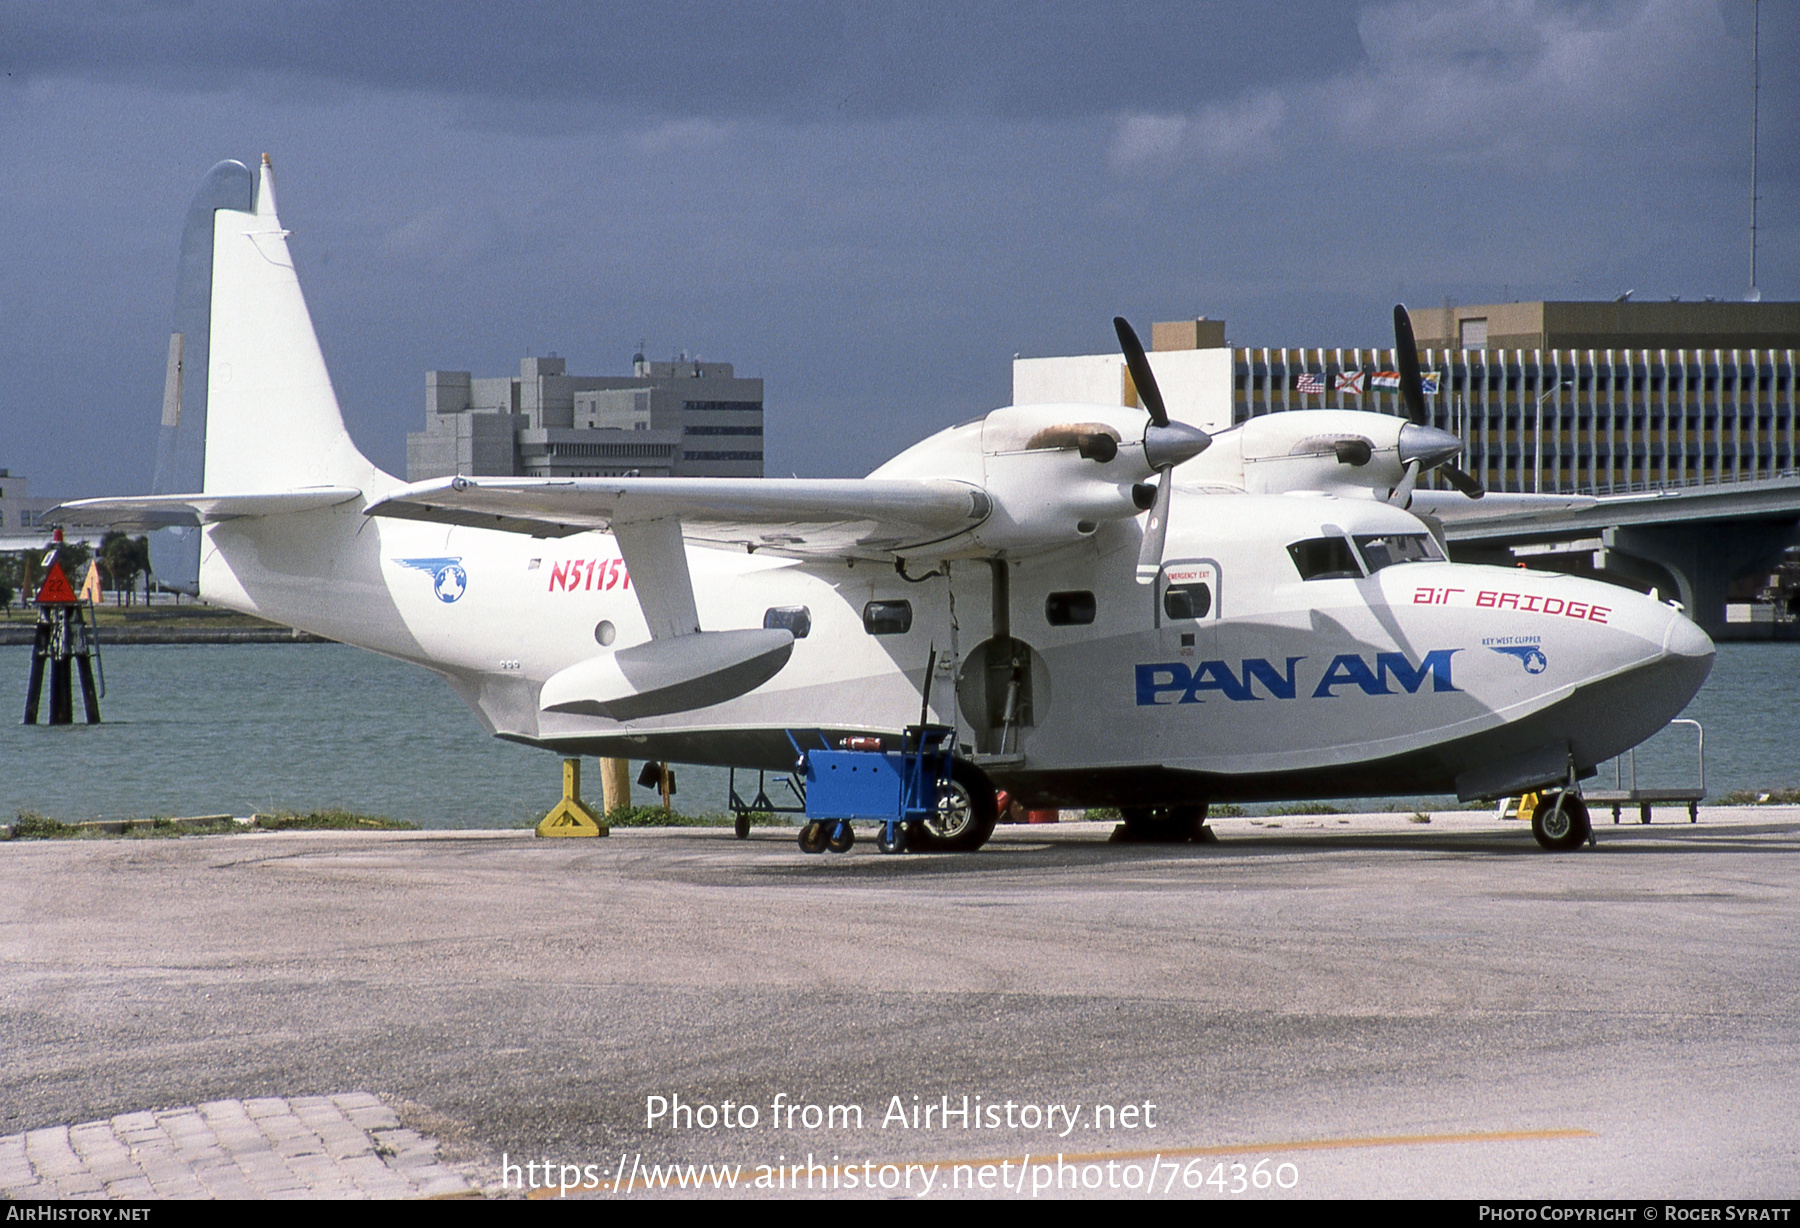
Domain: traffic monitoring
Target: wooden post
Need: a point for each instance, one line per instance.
(615, 784)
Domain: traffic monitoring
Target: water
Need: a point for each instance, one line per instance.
(206, 729)
(1750, 708)
(244, 728)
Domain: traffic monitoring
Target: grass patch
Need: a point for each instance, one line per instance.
(329, 820)
(1305, 808)
(1761, 797)
(29, 825)
(656, 816)
(1229, 810)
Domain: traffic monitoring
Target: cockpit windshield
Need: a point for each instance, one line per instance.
(1387, 549)
(1325, 558)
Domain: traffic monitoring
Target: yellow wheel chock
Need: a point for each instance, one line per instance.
(571, 817)
(1523, 809)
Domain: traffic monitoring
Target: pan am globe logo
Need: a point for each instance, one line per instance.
(1526, 648)
(449, 580)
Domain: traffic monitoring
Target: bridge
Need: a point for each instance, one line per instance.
(1688, 542)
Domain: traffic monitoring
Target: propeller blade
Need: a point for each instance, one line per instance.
(1141, 375)
(1462, 481)
(1402, 494)
(1406, 353)
(1156, 527)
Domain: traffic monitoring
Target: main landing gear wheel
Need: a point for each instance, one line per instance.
(1162, 825)
(812, 838)
(965, 814)
(742, 827)
(895, 845)
(1564, 829)
(841, 837)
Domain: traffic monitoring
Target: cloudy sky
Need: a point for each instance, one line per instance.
(871, 206)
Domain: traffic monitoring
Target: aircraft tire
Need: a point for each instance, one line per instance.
(812, 838)
(1162, 825)
(965, 818)
(741, 826)
(1560, 833)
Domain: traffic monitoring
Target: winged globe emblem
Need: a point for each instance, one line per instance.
(1530, 656)
(449, 580)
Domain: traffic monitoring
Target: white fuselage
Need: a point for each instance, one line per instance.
(1383, 683)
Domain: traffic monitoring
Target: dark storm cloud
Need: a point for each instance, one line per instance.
(871, 207)
(850, 60)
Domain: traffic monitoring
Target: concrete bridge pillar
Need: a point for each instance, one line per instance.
(1700, 559)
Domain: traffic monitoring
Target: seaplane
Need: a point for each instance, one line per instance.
(1108, 607)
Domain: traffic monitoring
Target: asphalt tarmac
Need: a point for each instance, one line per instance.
(1375, 1007)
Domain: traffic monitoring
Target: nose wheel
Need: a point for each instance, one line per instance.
(1560, 822)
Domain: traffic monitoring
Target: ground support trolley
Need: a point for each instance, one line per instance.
(742, 811)
(893, 789)
(1690, 795)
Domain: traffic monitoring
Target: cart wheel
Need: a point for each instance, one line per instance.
(841, 837)
(812, 838)
(742, 827)
(891, 844)
(1560, 831)
(965, 814)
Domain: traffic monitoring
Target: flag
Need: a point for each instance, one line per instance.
(1306, 381)
(1386, 379)
(1351, 382)
(90, 587)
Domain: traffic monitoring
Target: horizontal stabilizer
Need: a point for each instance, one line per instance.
(805, 516)
(669, 675)
(147, 512)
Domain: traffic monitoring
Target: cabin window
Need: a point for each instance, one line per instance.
(887, 617)
(1069, 609)
(793, 618)
(1387, 549)
(1325, 558)
(1187, 600)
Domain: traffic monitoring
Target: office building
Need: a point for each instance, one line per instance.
(681, 418)
(1596, 398)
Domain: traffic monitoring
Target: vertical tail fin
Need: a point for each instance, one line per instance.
(272, 419)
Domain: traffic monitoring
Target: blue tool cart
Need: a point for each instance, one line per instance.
(891, 788)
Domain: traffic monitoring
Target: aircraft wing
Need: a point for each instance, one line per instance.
(1456, 511)
(801, 516)
(147, 512)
